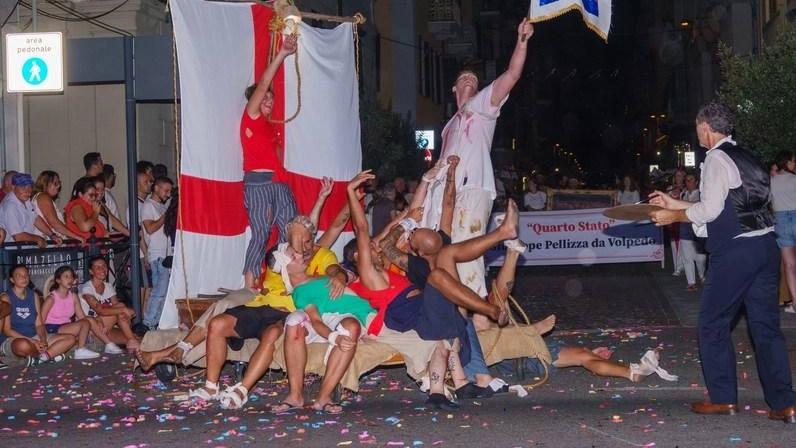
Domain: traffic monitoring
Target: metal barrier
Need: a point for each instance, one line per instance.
(42, 262)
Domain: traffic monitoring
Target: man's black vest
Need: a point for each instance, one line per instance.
(747, 207)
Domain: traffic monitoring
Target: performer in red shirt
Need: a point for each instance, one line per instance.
(267, 197)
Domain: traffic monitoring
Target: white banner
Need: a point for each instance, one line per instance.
(582, 237)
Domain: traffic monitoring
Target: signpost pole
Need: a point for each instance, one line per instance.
(132, 194)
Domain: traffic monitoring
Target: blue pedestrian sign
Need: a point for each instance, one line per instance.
(34, 62)
(34, 71)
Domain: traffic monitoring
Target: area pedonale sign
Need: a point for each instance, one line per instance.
(34, 62)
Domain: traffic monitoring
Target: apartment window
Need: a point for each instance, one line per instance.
(441, 10)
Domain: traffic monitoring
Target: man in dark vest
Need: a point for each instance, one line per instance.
(735, 216)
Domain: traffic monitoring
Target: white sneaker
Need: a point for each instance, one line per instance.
(113, 349)
(84, 353)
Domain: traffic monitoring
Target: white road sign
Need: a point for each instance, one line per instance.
(34, 62)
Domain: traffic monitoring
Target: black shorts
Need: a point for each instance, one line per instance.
(251, 321)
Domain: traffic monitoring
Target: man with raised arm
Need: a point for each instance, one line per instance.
(469, 135)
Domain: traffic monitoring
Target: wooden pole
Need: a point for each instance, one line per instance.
(357, 18)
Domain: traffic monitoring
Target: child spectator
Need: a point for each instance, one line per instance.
(62, 305)
(98, 298)
(23, 332)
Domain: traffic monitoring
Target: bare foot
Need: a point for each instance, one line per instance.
(511, 222)
(149, 359)
(328, 407)
(545, 325)
(603, 352)
(286, 406)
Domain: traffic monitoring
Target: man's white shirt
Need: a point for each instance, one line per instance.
(157, 243)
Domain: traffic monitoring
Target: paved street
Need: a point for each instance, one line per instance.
(629, 308)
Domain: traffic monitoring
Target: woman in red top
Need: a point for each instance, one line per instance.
(267, 197)
(83, 210)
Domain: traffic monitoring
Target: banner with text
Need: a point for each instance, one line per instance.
(582, 237)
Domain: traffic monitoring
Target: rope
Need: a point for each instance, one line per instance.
(177, 156)
(514, 322)
(356, 45)
(298, 91)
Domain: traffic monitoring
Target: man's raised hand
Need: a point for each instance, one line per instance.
(524, 30)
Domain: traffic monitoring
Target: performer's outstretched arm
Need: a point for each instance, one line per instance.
(289, 46)
(505, 82)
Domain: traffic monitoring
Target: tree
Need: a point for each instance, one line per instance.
(388, 143)
(763, 91)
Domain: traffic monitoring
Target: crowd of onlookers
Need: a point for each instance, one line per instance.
(44, 324)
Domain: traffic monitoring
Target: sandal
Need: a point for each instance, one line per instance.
(208, 392)
(330, 408)
(648, 365)
(651, 359)
(234, 397)
(284, 407)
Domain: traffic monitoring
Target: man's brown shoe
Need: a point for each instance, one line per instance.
(787, 415)
(706, 407)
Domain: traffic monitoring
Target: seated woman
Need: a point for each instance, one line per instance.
(192, 347)
(45, 192)
(98, 299)
(83, 211)
(23, 332)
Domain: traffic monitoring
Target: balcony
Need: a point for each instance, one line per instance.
(444, 18)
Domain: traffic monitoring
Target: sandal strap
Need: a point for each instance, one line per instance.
(208, 392)
(234, 397)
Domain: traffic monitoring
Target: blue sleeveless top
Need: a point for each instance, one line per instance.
(23, 314)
